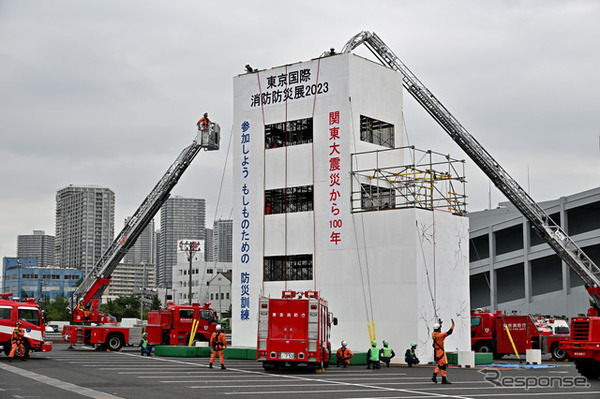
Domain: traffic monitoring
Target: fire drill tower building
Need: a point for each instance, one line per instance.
(327, 198)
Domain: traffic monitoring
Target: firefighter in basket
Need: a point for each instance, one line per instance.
(438, 338)
(16, 341)
(218, 345)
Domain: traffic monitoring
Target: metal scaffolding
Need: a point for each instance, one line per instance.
(430, 181)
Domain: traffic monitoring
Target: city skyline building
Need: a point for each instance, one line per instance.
(144, 249)
(208, 246)
(85, 223)
(24, 278)
(131, 278)
(38, 245)
(180, 218)
(222, 245)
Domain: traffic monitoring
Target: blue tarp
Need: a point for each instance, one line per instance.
(518, 365)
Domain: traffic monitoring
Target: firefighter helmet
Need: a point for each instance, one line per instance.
(385, 343)
(373, 343)
(18, 324)
(436, 326)
(218, 327)
(413, 344)
(344, 343)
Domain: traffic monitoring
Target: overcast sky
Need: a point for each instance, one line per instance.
(108, 92)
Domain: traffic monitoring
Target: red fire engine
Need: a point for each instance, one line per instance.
(29, 315)
(488, 334)
(171, 325)
(294, 330)
(584, 344)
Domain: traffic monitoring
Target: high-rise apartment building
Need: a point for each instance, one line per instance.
(85, 224)
(38, 245)
(143, 251)
(222, 240)
(208, 246)
(180, 218)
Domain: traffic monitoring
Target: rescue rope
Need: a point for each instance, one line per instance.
(312, 144)
(431, 294)
(215, 258)
(285, 194)
(365, 287)
(262, 109)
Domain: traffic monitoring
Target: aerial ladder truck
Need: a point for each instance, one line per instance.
(173, 323)
(584, 343)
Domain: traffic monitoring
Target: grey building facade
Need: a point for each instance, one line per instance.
(85, 225)
(144, 249)
(512, 268)
(223, 240)
(180, 218)
(37, 245)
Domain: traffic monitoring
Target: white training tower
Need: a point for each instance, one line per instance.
(308, 217)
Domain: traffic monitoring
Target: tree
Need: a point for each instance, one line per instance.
(56, 309)
(156, 305)
(124, 306)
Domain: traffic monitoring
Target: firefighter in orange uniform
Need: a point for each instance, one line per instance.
(203, 122)
(84, 312)
(17, 342)
(218, 344)
(439, 352)
(343, 355)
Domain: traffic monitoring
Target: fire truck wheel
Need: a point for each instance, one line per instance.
(589, 368)
(557, 353)
(114, 342)
(328, 358)
(270, 366)
(8, 347)
(484, 347)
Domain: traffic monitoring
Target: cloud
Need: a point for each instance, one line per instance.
(108, 92)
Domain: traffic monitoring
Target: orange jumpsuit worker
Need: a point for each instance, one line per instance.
(85, 313)
(343, 355)
(16, 341)
(203, 122)
(218, 344)
(439, 352)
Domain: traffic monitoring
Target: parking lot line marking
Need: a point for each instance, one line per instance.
(67, 386)
(563, 393)
(368, 387)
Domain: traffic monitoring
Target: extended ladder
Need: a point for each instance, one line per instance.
(564, 246)
(98, 278)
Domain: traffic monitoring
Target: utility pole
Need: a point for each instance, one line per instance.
(190, 248)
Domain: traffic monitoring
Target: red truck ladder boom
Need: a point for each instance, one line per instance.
(558, 240)
(98, 278)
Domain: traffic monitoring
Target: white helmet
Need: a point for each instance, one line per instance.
(344, 343)
(436, 326)
(218, 327)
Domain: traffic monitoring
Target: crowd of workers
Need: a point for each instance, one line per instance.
(376, 357)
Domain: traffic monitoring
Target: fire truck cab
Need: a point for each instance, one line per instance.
(29, 315)
(294, 330)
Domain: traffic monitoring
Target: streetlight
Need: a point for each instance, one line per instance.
(190, 247)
